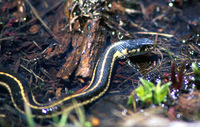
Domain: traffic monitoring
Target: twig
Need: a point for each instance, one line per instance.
(137, 26)
(12, 37)
(38, 17)
(155, 33)
(36, 45)
(31, 71)
(129, 11)
(144, 10)
(34, 19)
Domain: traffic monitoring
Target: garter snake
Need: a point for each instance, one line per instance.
(20, 92)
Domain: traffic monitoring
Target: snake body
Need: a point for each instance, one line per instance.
(20, 92)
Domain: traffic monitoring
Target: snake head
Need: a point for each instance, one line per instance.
(139, 46)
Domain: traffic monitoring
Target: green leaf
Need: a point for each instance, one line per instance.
(161, 92)
(143, 94)
(195, 68)
(148, 91)
(165, 87)
(88, 124)
(147, 84)
(130, 100)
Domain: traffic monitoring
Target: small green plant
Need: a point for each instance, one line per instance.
(80, 121)
(148, 92)
(63, 120)
(196, 71)
(29, 118)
